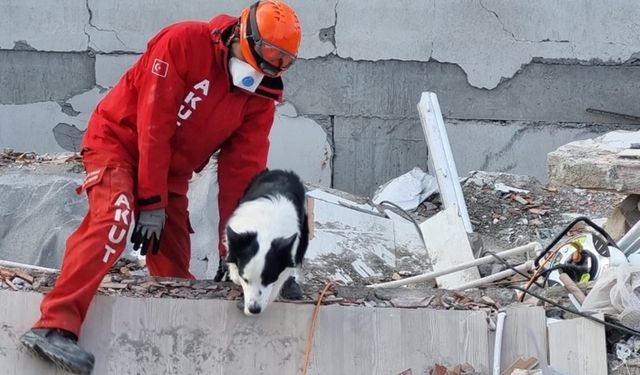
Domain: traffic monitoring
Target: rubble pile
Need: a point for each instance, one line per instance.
(129, 278)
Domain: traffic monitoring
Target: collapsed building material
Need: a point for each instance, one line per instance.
(441, 157)
(531, 247)
(578, 347)
(156, 336)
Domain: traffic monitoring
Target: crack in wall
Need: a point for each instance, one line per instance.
(335, 43)
(513, 35)
(332, 161)
(91, 25)
(508, 146)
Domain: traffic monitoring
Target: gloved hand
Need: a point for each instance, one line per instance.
(223, 270)
(148, 230)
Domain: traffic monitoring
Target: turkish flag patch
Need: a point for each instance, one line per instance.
(160, 68)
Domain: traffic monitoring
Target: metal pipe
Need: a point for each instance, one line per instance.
(524, 267)
(6, 263)
(432, 275)
(497, 348)
(630, 242)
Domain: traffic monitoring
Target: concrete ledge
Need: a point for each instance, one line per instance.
(169, 336)
(595, 164)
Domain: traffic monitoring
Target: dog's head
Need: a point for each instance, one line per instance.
(260, 263)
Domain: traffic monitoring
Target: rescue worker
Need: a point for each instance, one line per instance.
(199, 88)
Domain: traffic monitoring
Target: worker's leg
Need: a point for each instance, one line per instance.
(92, 249)
(172, 260)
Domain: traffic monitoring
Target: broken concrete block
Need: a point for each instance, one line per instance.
(595, 164)
(448, 245)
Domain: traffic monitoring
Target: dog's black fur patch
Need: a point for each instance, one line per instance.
(244, 245)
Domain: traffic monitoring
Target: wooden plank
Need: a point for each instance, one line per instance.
(448, 245)
(578, 347)
(131, 336)
(441, 156)
(524, 335)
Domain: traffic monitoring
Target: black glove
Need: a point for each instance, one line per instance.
(147, 232)
(223, 270)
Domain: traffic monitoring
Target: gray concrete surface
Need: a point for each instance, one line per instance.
(550, 91)
(32, 76)
(597, 163)
(491, 60)
(178, 336)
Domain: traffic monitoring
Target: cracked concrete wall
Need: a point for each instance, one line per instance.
(518, 69)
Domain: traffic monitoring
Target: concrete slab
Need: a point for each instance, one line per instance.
(28, 127)
(595, 163)
(378, 149)
(553, 92)
(60, 26)
(300, 144)
(39, 211)
(109, 68)
(356, 248)
(170, 336)
(489, 39)
(514, 147)
(117, 25)
(31, 76)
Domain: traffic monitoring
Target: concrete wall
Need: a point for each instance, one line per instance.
(514, 78)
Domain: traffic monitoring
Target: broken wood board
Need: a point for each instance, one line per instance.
(131, 336)
(578, 346)
(524, 334)
(355, 247)
(448, 245)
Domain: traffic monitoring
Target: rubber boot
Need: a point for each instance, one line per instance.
(60, 347)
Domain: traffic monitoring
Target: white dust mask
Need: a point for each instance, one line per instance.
(244, 75)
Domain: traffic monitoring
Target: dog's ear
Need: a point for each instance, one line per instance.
(283, 247)
(240, 245)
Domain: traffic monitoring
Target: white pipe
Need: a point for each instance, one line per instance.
(432, 275)
(497, 348)
(6, 263)
(631, 240)
(524, 267)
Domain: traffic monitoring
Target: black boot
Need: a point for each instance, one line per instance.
(60, 347)
(291, 289)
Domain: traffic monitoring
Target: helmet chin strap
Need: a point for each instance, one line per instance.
(234, 36)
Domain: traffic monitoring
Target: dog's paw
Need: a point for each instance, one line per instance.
(291, 289)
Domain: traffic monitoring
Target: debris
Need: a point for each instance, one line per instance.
(509, 189)
(439, 369)
(534, 246)
(407, 190)
(406, 372)
(616, 293)
(441, 157)
(521, 364)
(628, 349)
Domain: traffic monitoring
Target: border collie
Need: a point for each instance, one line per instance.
(267, 237)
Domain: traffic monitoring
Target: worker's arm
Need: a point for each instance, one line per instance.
(161, 89)
(242, 157)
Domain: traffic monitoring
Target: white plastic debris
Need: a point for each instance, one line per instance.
(503, 188)
(408, 190)
(627, 349)
(617, 292)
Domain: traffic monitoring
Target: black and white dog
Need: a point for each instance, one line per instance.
(267, 237)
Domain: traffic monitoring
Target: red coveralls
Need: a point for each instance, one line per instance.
(163, 120)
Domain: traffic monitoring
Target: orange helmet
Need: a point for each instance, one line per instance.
(270, 36)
